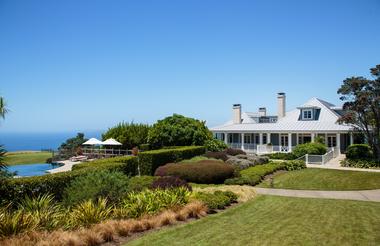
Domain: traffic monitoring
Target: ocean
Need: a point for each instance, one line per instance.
(40, 141)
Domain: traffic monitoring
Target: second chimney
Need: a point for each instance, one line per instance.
(236, 113)
(281, 98)
(262, 112)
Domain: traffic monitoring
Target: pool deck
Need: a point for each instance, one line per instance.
(67, 165)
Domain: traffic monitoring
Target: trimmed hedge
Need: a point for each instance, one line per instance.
(254, 175)
(170, 182)
(13, 190)
(359, 151)
(126, 164)
(309, 148)
(149, 161)
(201, 172)
(281, 156)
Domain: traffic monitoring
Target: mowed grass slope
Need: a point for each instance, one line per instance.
(271, 220)
(324, 179)
(17, 158)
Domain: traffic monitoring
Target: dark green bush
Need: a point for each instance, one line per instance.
(359, 151)
(202, 172)
(217, 155)
(216, 200)
(149, 161)
(254, 175)
(309, 148)
(112, 185)
(215, 145)
(281, 156)
(140, 183)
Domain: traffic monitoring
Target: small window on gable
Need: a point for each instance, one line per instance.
(307, 114)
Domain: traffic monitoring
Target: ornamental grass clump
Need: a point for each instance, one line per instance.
(15, 222)
(89, 212)
(44, 210)
(152, 201)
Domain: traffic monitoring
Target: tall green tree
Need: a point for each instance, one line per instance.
(74, 143)
(361, 98)
(178, 130)
(129, 134)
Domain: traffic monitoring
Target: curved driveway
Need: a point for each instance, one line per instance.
(359, 195)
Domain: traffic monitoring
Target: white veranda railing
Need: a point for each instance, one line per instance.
(321, 159)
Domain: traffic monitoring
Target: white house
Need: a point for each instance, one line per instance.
(259, 132)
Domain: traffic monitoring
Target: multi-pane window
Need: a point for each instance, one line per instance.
(307, 114)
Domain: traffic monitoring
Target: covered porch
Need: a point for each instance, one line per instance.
(271, 142)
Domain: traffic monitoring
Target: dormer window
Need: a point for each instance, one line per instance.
(307, 114)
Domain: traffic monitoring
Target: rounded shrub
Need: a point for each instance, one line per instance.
(217, 155)
(359, 151)
(309, 148)
(112, 185)
(203, 172)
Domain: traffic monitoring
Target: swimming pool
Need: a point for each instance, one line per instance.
(32, 169)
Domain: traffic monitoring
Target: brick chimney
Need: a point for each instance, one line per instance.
(236, 113)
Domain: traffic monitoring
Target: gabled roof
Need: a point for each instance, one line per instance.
(327, 121)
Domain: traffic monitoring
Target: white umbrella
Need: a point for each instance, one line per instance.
(111, 141)
(93, 141)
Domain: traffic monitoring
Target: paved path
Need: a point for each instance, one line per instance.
(67, 165)
(360, 195)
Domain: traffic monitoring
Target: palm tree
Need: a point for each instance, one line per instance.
(3, 108)
(3, 111)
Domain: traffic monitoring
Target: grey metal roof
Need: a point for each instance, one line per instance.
(327, 122)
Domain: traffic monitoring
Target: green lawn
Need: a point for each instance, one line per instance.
(271, 220)
(17, 158)
(324, 179)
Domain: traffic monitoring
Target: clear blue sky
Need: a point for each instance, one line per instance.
(82, 65)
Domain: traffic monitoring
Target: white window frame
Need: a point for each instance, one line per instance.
(307, 111)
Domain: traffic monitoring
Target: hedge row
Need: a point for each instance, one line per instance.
(149, 161)
(254, 175)
(12, 190)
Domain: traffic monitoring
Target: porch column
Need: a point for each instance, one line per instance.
(268, 138)
(351, 138)
(326, 142)
(297, 140)
(226, 138)
(338, 142)
(242, 141)
(290, 142)
(261, 138)
(312, 137)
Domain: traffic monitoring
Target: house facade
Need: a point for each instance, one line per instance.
(262, 133)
